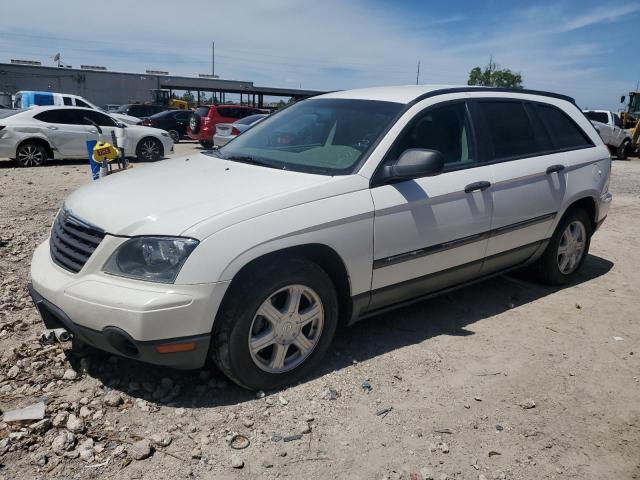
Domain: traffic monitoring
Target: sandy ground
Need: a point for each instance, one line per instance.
(457, 373)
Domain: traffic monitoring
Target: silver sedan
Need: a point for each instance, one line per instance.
(225, 132)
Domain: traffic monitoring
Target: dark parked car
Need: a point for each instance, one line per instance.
(175, 122)
(140, 110)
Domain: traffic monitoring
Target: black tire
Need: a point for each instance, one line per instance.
(194, 123)
(548, 265)
(233, 326)
(623, 150)
(207, 145)
(175, 136)
(149, 149)
(31, 154)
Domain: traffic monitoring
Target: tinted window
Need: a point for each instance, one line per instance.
(509, 129)
(564, 132)
(616, 120)
(42, 99)
(97, 117)
(80, 103)
(183, 116)
(445, 129)
(327, 136)
(598, 116)
(202, 111)
(67, 101)
(67, 116)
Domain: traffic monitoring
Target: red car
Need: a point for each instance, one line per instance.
(202, 124)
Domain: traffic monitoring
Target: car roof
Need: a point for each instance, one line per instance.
(41, 108)
(412, 93)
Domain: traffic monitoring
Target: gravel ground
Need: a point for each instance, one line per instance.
(505, 379)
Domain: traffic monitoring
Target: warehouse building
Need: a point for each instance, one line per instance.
(104, 87)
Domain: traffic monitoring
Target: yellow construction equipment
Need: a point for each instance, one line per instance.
(631, 118)
(162, 97)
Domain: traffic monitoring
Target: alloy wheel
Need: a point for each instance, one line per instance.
(571, 247)
(150, 150)
(30, 156)
(286, 328)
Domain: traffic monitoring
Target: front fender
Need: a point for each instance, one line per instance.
(344, 223)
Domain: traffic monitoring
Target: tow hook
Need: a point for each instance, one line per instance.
(59, 335)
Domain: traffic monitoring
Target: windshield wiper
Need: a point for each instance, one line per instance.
(250, 160)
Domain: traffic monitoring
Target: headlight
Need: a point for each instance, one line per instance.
(155, 259)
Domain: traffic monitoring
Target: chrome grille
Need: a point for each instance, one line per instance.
(73, 241)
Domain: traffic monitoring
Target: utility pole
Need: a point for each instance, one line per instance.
(213, 58)
(418, 74)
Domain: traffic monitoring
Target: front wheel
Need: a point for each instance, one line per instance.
(149, 150)
(276, 324)
(567, 249)
(623, 150)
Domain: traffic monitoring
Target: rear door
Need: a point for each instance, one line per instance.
(526, 144)
(65, 131)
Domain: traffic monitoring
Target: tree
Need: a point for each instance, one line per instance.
(493, 76)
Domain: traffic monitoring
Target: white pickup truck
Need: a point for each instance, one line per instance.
(609, 126)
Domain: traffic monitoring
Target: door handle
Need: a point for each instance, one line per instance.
(475, 186)
(51, 127)
(555, 168)
(93, 131)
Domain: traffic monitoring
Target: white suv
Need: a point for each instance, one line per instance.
(334, 209)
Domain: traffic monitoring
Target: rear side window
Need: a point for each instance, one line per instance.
(50, 116)
(597, 116)
(565, 134)
(509, 129)
(67, 101)
(232, 112)
(66, 116)
(42, 99)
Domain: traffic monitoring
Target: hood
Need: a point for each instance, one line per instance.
(170, 196)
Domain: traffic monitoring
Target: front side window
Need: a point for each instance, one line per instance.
(509, 129)
(616, 120)
(565, 134)
(445, 129)
(67, 101)
(80, 103)
(326, 136)
(100, 118)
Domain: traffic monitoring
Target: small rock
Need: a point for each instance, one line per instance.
(75, 424)
(39, 458)
(41, 427)
(140, 450)
(305, 428)
(259, 393)
(267, 463)
(528, 403)
(247, 422)
(283, 401)
(60, 419)
(63, 442)
(196, 453)
(330, 394)
(13, 372)
(69, 374)
(5, 444)
(236, 461)
(180, 411)
(161, 439)
(112, 399)
(444, 448)
(119, 450)
(87, 455)
(477, 399)
(85, 412)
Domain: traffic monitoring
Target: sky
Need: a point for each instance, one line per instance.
(584, 49)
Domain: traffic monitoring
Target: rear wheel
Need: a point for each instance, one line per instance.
(276, 324)
(567, 249)
(149, 150)
(31, 154)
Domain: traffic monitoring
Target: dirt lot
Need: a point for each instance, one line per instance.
(459, 374)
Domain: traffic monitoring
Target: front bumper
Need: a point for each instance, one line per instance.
(117, 341)
(102, 309)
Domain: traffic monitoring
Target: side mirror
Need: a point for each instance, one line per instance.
(622, 98)
(415, 163)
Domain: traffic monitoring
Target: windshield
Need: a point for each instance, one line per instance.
(327, 136)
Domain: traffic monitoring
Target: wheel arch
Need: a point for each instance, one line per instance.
(322, 255)
(39, 140)
(589, 205)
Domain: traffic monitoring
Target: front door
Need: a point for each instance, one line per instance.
(431, 233)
